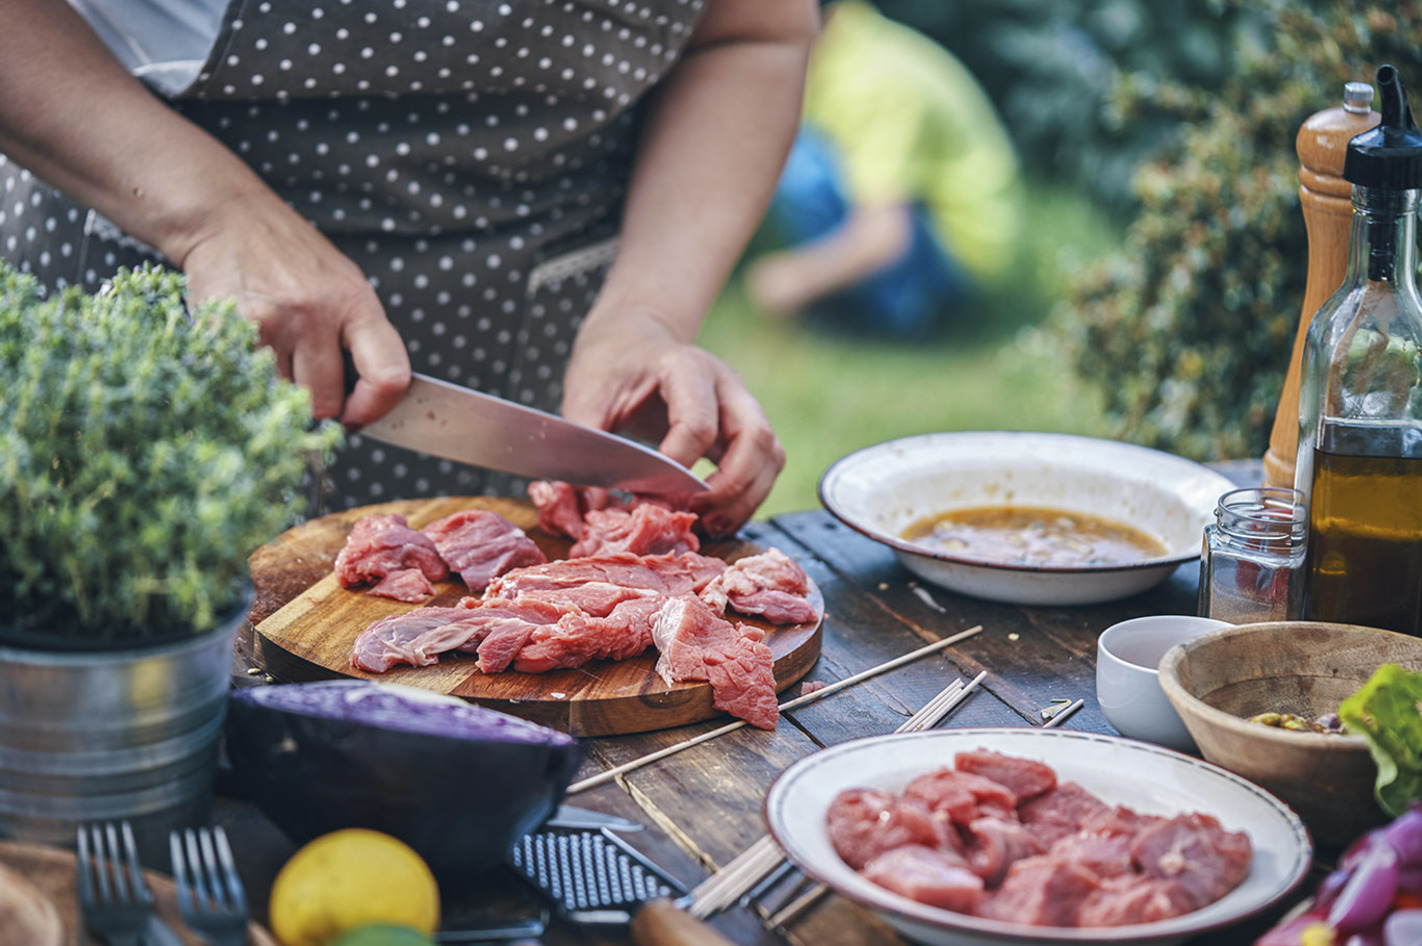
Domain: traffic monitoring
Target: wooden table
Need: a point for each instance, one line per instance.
(703, 806)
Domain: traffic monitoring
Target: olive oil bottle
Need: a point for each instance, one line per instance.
(1360, 408)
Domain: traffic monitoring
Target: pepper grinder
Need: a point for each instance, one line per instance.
(1327, 202)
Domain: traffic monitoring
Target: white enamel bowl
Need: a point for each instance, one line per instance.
(1119, 771)
(882, 490)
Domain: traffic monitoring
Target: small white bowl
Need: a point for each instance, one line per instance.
(882, 490)
(1128, 681)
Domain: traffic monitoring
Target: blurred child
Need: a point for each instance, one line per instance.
(899, 201)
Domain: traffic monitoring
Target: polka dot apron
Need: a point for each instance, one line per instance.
(470, 156)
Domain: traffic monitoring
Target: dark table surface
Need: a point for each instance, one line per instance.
(702, 806)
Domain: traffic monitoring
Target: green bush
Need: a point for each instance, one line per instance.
(1188, 329)
(1051, 67)
(144, 454)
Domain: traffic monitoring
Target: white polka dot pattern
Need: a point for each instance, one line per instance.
(449, 149)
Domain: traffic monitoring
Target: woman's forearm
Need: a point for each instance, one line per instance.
(708, 162)
(72, 115)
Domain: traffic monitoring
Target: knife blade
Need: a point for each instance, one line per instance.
(468, 426)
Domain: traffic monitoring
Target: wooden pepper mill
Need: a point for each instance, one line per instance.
(1327, 201)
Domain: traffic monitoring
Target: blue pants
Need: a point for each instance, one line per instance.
(907, 297)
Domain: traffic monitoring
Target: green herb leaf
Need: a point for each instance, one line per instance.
(145, 453)
(1385, 711)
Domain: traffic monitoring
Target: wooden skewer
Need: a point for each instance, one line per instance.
(612, 773)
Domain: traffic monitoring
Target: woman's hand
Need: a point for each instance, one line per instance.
(641, 380)
(310, 303)
(72, 114)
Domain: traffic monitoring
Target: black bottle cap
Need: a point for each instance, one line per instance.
(1389, 156)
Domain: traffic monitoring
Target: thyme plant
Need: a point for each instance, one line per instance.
(144, 454)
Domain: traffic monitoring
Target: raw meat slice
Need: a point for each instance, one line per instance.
(1025, 778)
(995, 845)
(507, 626)
(562, 506)
(685, 632)
(404, 584)
(480, 544)
(646, 529)
(928, 876)
(1121, 901)
(596, 598)
(1105, 855)
(1192, 849)
(742, 679)
(865, 822)
(669, 574)
(1060, 812)
(557, 505)
(379, 545)
(1041, 891)
(416, 638)
(963, 797)
(579, 637)
(770, 584)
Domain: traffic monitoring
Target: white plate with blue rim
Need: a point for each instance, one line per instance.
(1119, 771)
(885, 490)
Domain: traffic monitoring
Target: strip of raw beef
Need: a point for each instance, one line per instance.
(507, 628)
(1025, 778)
(770, 584)
(379, 545)
(480, 544)
(404, 584)
(742, 679)
(669, 574)
(579, 637)
(1128, 899)
(561, 506)
(1060, 812)
(963, 797)
(646, 529)
(418, 637)
(865, 822)
(927, 875)
(1193, 850)
(995, 845)
(1041, 891)
(696, 643)
(685, 632)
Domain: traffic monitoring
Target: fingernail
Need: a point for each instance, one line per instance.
(716, 525)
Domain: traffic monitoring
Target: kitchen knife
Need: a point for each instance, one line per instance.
(467, 426)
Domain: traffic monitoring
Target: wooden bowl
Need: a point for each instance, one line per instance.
(1218, 680)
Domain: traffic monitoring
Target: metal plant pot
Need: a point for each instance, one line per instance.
(130, 733)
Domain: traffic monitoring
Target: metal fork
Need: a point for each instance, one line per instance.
(114, 899)
(762, 867)
(210, 895)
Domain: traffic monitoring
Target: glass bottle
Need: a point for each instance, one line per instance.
(1359, 460)
(1251, 567)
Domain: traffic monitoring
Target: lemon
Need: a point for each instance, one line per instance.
(351, 878)
(383, 934)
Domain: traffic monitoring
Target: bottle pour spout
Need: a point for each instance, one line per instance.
(1388, 156)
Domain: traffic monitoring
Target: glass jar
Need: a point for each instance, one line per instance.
(1251, 567)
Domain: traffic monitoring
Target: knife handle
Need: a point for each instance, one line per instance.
(660, 923)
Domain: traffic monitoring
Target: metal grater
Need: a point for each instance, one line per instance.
(592, 876)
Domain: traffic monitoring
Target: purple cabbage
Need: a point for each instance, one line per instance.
(459, 783)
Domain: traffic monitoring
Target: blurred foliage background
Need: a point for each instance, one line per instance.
(1165, 273)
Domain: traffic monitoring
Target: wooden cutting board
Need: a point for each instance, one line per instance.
(306, 624)
(52, 871)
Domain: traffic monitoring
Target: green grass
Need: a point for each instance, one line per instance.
(829, 394)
